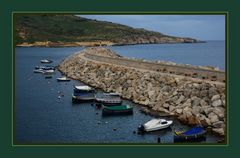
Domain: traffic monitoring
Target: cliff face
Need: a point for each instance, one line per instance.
(193, 102)
(57, 30)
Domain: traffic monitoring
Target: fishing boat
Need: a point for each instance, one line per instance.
(83, 94)
(46, 67)
(46, 61)
(38, 71)
(155, 124)
(108, 99)
(191, 135)
(117, 110)
(48, 71)
(63, 79)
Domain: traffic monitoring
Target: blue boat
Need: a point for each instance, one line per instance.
(194, 134)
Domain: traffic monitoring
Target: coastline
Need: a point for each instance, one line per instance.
(95, 44)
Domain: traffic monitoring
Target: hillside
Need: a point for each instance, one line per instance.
(70, 30)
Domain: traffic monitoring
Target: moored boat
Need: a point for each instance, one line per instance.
(117, 110)
(155, 124)
(108, 99)
(63, 79)
(48, 71)
(46, 61)
(38, 71)
(192, 135)
(83, 94)
(46, 67)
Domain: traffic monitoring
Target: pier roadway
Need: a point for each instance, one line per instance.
(179, 70)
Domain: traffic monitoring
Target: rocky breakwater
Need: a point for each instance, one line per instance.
(191, 101)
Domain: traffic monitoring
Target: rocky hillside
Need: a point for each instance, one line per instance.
(71, 30)
(193, 102)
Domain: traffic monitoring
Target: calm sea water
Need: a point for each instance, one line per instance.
(43, 118)
(211, 53)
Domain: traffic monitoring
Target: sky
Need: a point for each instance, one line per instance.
(201, 27)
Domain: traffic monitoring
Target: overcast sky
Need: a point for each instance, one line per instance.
(201, 27)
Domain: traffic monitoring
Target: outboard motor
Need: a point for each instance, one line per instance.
(141, 129)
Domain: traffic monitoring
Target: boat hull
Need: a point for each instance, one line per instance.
(192, 138)
(195, 134)
(78, 99)
(63, 80)
(106, 103)
(108, 112)
(155, 128)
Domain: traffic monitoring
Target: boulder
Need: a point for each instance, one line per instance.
(218, 124)
(208, 110)
(217, 103)
(180, 99)
(195, 101)
(179, 111)
(219, 131)
(203, 103)
(196, 110)
(213, 117)
(215, 97)
(165, 105)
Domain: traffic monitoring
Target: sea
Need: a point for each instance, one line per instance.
(42, 117)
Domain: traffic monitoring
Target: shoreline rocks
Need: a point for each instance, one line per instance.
(190, 101)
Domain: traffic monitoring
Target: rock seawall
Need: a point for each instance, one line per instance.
(192, 102)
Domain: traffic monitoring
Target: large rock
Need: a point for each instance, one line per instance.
(219, 131)
(217, 103)
(218, 124)
(208, 110)
(213, 117)
(215, 97)
(180, 99)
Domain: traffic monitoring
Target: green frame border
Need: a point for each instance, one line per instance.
(225, 13)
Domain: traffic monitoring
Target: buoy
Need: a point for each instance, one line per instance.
(59, 97)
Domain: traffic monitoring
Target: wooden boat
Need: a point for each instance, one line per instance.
(108, 99)
(46, 61)
(155, 124)
(63, 79)
(117, 110)
(191, 135)
(83, 94)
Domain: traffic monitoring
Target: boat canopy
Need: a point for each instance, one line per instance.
(83, 88)
(195, 130)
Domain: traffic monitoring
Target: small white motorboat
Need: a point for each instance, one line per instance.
(155, 124)
(38, 71)
(48, 71)
(63, 79)
(46, 61)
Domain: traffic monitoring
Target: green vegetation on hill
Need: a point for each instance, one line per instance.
(71, 28)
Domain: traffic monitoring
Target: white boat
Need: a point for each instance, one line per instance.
(38, 71)
(155, 124)
(62, 79)
(46, 61)
(48, 71)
